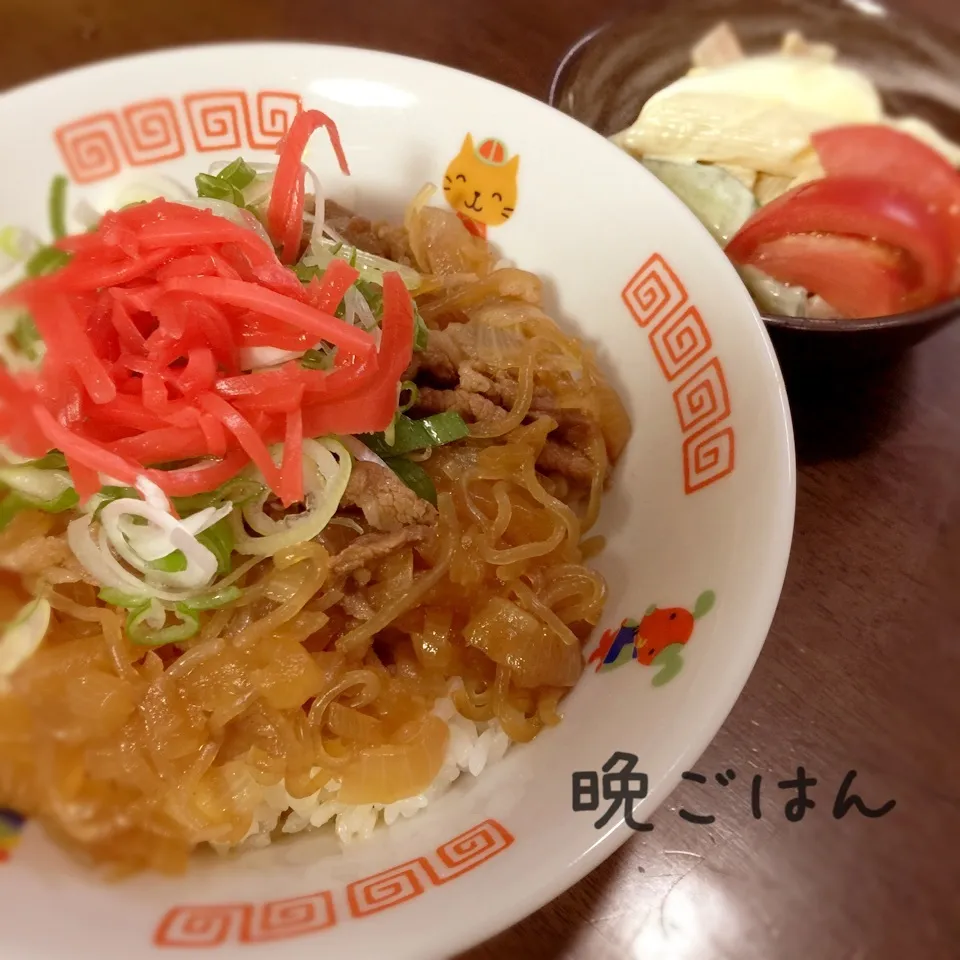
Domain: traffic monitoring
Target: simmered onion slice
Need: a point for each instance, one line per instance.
(397, 770)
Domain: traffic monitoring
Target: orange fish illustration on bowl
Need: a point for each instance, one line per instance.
(481, 184)
(656, 640)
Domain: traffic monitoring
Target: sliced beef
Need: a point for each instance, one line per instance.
(471, 406)
(566, 460)
(438, 361)
(473, 381)
(381, 239)
(371, 547)
(502, 390)
(441, 366)
(386, 502)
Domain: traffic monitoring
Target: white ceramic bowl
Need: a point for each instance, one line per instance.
(702, 501)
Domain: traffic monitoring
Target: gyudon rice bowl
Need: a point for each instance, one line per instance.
(295, 515)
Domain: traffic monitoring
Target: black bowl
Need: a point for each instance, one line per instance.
(606, 77)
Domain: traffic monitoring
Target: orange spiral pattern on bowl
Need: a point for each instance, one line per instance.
(154, 131)
(193, 926)
(679, 338)
(274, 114)
(91, 147)
(654, 292)
(295, 917)
(471, 848)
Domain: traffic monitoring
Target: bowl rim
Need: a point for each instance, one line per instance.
(941, 311)
(483, 926)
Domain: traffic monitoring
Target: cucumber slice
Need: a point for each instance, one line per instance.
(719, 200)
(772, 297)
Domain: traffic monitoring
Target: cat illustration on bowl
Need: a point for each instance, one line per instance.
(481, 184)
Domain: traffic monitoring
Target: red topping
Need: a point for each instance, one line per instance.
(143, 330)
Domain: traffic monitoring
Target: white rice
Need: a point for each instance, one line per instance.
(472, 748)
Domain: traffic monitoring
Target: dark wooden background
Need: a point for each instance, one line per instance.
(862, 667)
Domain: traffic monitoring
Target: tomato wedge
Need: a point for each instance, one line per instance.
(880, 152)
(857, 207)
(858, 278)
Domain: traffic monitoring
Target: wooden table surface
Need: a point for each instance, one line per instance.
(861, 668)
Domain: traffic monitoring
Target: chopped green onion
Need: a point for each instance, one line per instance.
(174, 562)
(15, 502)
(217, 189)
(108, 494)
(321, 358)
(10, 242)
(304, 273)
(58, 206)
(139, 632)
(117, 598)
(54, 460)
(39, 486)
(414, 476)
(27, 337)
(238, 173)
(115, 493)
(410, 435)
(213, 600)
(46, 260)
(390, 434)
(228, 184)
(48, 490)
(10, 506)
(421, 332)
(218, 539)
(373, 294)
(237, 491)
(66, 501)
(408, 386)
